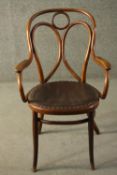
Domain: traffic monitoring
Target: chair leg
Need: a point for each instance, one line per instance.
(40, 123)
(35, 140)
(91, 138)
(95, 127)
(97, 131)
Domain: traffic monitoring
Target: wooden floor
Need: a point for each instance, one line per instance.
(63, 149)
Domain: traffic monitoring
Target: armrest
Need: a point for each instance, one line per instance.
(20, 87)
(19, 68)
(106, 66)
(102, 62)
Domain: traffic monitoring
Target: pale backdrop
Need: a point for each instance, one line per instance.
(13, 47)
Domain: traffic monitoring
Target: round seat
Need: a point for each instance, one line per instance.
(63, 97)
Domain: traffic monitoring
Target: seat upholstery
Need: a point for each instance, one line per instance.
(63, 97)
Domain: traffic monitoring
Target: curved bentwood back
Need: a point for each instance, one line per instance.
(61, 40)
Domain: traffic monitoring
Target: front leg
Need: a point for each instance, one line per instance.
(91, 138)
(35, 140)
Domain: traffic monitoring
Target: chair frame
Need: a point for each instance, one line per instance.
(38, 120)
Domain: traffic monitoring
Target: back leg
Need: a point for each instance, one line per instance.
(97, 131)
(95, 127)
(41, 116)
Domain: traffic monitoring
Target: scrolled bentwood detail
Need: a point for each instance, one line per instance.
(67, 17)
(62, 97)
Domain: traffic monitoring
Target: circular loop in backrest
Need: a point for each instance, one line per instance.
(67, 17)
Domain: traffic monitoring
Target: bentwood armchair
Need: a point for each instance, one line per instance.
(63, 97)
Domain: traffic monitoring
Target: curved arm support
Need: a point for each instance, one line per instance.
(106, 66)
(106, 85)
(20, 86)
(19, 69)
(25, 63)
(102, 62)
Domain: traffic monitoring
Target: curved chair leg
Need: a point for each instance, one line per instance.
(40, 123)
(35, 140)
(91, 138)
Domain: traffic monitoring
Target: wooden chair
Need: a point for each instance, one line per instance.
(50, 97)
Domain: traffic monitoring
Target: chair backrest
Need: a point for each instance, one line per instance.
(31, 28)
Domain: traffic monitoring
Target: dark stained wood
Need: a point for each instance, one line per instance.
(63, 97)
(97, 131)
(96, 128)
(66, 97)
(35, 140)
(75, 122)
(91, 138)
(41, 117)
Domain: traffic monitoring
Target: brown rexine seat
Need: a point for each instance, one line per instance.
(63, 97)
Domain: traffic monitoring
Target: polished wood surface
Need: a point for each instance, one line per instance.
(61, 55)
(63, 97)
(41, 118)
(76, 97)
(35, 139)
(91, 138)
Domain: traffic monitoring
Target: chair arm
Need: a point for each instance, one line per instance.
(106, 66)
(21, 66)
(20, 87)
(19, 69)
(102, 62)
